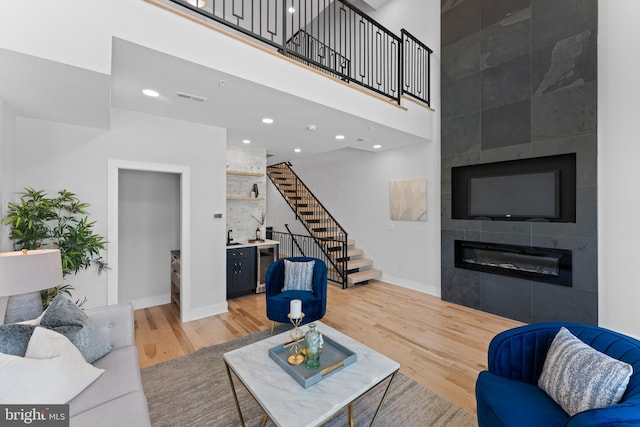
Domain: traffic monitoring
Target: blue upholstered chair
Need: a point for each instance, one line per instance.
(314, 304)
(507, 393)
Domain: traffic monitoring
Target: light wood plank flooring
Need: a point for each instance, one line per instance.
(440, 345)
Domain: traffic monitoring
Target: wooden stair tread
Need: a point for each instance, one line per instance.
(359, 263)
(351, 252)
(318, 220)
(314, 215)
(363, 275)
(328, 238)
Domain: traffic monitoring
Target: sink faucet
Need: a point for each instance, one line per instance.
(229, 238)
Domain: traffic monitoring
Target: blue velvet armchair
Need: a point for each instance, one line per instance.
(314, 304)
(507, 393)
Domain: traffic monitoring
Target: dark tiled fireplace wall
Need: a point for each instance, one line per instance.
(519, 81)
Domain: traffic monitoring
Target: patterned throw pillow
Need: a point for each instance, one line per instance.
(14, 338)
(65, 317)
(298, 276)
(578, 377)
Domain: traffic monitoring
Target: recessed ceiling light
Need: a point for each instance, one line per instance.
(339, 137)
(150, 92)
(267, 121)
(297, 150)
(246, 141)
(377, 146)
(291, 10)
(312, 128)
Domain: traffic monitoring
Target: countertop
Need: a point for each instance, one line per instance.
(247, 244)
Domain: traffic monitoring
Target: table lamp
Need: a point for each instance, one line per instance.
(23, 274)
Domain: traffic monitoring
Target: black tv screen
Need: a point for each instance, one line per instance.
(531, 189)
(527, 195)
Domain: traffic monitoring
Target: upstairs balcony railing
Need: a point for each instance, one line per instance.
(333, 36)
(416, 60)
(304, 45)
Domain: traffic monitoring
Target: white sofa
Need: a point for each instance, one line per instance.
(116, 398)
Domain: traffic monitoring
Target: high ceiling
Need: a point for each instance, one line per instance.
(43, 89)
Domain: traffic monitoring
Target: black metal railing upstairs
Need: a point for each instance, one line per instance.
(304, 45)
(416, 57)
(329, 235)
(333, 36)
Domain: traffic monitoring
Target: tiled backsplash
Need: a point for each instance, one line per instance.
(240, 213)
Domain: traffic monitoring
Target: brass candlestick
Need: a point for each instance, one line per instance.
(295, 356)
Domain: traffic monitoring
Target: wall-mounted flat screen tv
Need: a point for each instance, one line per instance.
(516, 196)
(536, 189)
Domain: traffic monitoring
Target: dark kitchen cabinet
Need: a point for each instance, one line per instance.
(241, 271)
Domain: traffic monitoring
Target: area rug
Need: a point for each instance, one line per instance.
(194, 390)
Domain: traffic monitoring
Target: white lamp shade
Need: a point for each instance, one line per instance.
(34, 271)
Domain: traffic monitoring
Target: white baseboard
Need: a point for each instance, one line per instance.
(210, 310)
(416, 286)
(196, 313)
(151, 301)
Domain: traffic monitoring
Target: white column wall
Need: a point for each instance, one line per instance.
(7, 168)
(52, 156)
(618, 172)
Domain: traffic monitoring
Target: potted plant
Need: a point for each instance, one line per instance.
(37, 221)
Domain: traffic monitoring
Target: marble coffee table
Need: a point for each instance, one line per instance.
(286, 402)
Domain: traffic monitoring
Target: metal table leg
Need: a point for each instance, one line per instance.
(384, 396)
(235, 395)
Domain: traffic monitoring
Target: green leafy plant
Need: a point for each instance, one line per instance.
(61, 222)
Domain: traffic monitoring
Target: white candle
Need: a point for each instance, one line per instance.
(295, 308)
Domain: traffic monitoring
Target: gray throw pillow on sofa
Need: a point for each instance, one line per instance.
(578, 377)
(65, 317)
(14, 338)
(298, 275)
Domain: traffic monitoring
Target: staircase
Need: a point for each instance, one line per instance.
(345, 262)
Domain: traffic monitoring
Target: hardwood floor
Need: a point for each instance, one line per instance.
(442, 346)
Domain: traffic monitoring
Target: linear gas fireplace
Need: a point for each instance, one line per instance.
(525, 262)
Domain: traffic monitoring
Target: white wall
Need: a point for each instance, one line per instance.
(7, 168)
(53, 156)
(618, 172)
(148, 229)
(420, 17)
(354, 185)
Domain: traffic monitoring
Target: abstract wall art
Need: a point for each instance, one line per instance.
(408, 200)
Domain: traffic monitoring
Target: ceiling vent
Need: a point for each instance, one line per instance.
(190, 97)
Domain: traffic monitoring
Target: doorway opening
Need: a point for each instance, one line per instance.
(121, 248)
